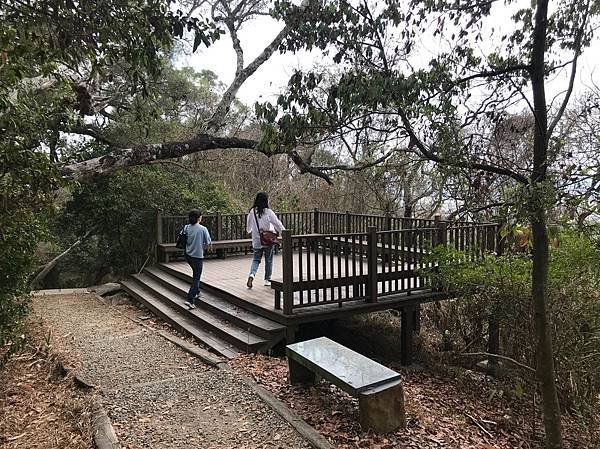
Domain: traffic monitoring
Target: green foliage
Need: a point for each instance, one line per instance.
(118, 212)
(54, 55)
(27, 180)
(500, 288)
(50, 37)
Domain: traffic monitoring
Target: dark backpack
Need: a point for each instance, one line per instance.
(181, 238)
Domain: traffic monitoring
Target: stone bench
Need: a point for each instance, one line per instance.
(379, 389)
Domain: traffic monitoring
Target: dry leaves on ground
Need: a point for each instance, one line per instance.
(39, 407)
(466, 412)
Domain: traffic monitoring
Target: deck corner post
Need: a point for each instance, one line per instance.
(159, 226)
(316, 226)
(500, 240)
(288, 272)
(372, 264)
(348, 228)
(159, 232)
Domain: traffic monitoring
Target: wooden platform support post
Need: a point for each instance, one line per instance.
(348, 227)
(408, 327)
(372, 264)
(288, 272)
(316, 226)
(220, 251)
(159, 232)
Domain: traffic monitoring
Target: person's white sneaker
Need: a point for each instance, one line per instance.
(249, 282)
(267, 283)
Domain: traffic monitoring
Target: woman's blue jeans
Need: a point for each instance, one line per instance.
(258, 253)
(196, 263)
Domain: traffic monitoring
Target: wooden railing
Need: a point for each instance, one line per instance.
(333, 257)
(364, 266)
(233, 226)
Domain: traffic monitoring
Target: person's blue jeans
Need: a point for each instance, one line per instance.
(258, 253)
(196, 263)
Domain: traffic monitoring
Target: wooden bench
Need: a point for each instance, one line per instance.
(379, 389)
(167, 249)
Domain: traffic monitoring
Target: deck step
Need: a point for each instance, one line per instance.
(237, 336)
(241, 317)
(179, 320)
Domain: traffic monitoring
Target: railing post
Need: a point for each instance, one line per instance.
(348, 224)
(441, 237)
(372, 264)
(388, 223)
(159, 227)
(219, 235)
(159, 232)
(288, 272)
(500, 240)
(316, 226)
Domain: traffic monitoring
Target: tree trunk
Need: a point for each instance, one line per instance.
(39, 278)
(545, 360)
(537, 205)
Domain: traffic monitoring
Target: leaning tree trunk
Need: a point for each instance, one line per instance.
(537, 204)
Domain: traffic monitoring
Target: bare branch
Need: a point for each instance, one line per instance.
(218, 117)
(145, 154)
(307, 168)
(563, 106)
(415, 141)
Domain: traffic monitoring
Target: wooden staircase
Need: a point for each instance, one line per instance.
(223, 327)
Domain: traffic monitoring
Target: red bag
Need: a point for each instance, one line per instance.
(267, 238)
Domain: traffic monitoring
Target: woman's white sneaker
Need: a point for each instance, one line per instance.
(267, 283)
(249, 282)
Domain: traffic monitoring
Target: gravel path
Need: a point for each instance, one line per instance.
(156, 395)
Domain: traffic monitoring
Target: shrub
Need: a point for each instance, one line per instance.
(118, 212)
(499, 287)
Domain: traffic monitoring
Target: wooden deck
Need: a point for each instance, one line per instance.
(331, 265)
(228, 277)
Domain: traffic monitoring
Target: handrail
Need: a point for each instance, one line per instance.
(342, 267)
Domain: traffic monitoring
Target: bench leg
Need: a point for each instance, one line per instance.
(299, 374)
(166, 257)
(382, 410)
(407, 331)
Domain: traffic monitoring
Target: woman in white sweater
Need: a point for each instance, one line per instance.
(261, 219)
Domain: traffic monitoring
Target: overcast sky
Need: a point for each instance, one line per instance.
(272, 76)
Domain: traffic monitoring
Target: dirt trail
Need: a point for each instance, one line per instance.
(156, 395)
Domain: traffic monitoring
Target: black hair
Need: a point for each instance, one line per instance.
(261, 202)
(194, 215)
